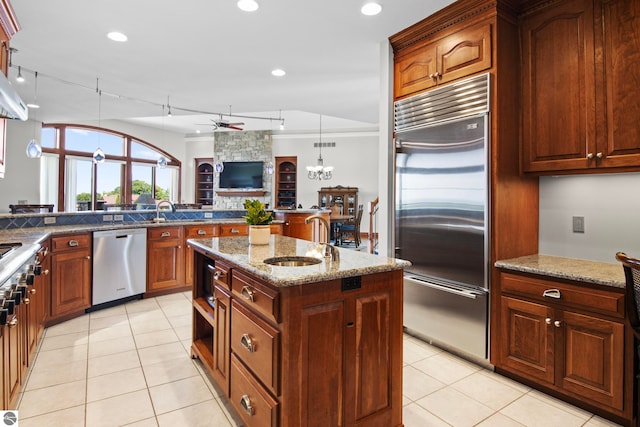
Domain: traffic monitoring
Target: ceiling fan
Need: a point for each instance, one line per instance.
(221, 123)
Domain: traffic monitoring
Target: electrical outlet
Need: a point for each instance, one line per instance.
(49, 219)
(107, 218)
(118, 217)
(208, 214)
(578, 224)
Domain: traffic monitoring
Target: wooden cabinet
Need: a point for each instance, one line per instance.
(12, 362)
(195, 232)
(347, 197)
(443, 57)
(294, 225)
(165, 260)
(285, 185)
(304, 355)
(546, 330)
(70, 274)
(8, 28)
(204, 181)
(580, 102)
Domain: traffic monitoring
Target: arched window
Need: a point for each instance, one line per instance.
(134, 173)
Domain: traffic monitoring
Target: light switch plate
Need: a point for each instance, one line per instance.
(578, 224)
(118, 217)
(208, 214)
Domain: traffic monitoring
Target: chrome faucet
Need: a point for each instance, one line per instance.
(329, 251)
(160, 203)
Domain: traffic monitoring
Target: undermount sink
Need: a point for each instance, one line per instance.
(292, 261)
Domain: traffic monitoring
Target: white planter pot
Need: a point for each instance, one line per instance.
(259, 234)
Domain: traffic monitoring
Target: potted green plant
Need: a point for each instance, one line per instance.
(258, 219)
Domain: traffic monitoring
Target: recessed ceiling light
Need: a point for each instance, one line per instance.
(117, 36)
(371, 9)
(278, 72)
(248, 5)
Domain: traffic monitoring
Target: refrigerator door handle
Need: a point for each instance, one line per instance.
(463, 292)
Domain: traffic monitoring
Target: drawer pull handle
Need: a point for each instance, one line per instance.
(235, 230)
(218, 275)
(13, 323)
(73, 243)
(245, 403)
(557, 323)
(32, 291)
(165, 234)
(26, 300)
(247, 293)
(552, 293)
(547, 321)
(247, 343)
(202, 232)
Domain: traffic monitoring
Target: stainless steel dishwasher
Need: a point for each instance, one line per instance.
(119, 264)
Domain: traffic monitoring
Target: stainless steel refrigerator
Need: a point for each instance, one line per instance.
(441, 216)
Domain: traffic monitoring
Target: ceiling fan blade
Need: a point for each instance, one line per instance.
(233, 127)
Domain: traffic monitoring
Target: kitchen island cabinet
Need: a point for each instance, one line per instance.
(300, 346)
(568, 338)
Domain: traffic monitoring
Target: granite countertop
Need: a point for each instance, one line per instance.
(237, 251)
(595, 272)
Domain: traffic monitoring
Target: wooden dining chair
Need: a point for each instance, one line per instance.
(350, 230)
(631, 268)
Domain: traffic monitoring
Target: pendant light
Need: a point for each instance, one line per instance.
(162, 161)
(34, 150)
(320, 171)
(98, 155)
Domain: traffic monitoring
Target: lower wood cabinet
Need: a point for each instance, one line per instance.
(301, 356)
(165, 260)
(566, 338)
(70, 274)
(194, 232)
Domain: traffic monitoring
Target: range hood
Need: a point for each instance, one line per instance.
(11, 106)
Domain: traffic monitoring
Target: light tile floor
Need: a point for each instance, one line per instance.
(130, 365)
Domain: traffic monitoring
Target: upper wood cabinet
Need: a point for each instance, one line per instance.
(580, 103)
(286, 174)
(8, 28)
(465, 51)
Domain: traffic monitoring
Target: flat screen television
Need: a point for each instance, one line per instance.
(241, 175)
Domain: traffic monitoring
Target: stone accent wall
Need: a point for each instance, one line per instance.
(243, 146)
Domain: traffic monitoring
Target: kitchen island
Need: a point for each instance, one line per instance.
(311, 345)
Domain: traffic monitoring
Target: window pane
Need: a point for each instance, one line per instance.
(87, 140)
(78, 184)
(108, 182)
(140, 151)
(48, 138)
(167, 184)
(141, 179)
(49, 179)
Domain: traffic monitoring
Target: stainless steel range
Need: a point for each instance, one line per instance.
(18, 268)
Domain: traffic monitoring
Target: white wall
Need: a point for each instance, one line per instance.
(355, 162)
(22, 176)
(611, 213)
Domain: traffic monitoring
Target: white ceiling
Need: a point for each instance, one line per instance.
(207, 56)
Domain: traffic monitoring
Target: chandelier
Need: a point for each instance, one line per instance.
(320, 171)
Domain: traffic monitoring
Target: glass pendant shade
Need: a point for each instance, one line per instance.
(270, 168)
(219, 167)
(162, 162)
(98, 156)
(34, 151)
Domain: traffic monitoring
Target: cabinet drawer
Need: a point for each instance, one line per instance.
(256, 295)
(220, 274)
(71, 242)
(593, 300)
(257, 344)
(252, 402)
(158, 233)
(199, 231)
(234, 230)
